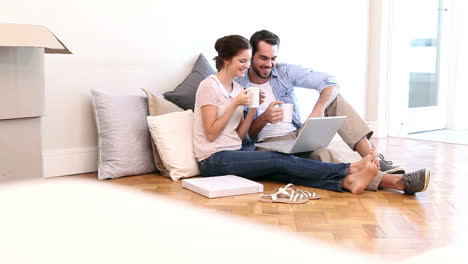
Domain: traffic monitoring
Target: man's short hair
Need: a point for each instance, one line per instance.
(264, 35)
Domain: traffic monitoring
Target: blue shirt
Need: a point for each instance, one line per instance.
(284, 77)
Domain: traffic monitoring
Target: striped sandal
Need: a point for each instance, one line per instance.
(289, 194)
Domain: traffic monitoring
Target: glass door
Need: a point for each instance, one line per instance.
(417, 81)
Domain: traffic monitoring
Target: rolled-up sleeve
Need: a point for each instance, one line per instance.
(308, 78)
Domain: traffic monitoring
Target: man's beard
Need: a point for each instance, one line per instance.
(259, 74)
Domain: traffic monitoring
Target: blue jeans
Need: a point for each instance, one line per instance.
(274, 166)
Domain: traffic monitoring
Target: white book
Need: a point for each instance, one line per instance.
(219, 186)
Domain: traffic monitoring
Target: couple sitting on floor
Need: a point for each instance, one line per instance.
(222, 122)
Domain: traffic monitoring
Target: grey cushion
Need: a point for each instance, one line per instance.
(184, 94)
(124, 140)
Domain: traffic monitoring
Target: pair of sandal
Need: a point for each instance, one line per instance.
(289, 194)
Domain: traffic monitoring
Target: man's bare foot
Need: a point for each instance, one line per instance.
(363, 173)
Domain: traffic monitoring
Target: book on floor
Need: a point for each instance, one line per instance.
(219, 186)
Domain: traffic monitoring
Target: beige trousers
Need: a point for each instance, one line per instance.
(352, 131)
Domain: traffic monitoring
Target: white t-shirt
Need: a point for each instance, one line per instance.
(212, 92)
(271, 130)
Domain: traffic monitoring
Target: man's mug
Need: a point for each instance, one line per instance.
(287, 112)
(255, 99)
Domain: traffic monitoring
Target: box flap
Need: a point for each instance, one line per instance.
(20, 35)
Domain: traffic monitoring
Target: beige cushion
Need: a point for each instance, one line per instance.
(159, 106)
(172, 135)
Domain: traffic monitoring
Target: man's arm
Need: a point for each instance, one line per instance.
(271, 115)
(327, 96)
(322, 82)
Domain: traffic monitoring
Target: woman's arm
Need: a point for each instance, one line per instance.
(244, 124)
(212, 126)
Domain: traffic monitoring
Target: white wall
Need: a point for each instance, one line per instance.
(376, 104)
(458, 78)
(122, 46)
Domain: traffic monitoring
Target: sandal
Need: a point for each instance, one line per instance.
(288, 194)
(310, 195)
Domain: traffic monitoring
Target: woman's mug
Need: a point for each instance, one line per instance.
(255, 99)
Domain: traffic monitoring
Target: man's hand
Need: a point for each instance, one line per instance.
(327, 96)
(273, 114)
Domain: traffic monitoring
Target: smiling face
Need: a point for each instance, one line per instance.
(263, 61)
(237, 65)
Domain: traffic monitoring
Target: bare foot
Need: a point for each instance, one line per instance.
(358, 166)
(363, 173)
(376, 162)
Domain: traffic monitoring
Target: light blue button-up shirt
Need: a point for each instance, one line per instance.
(284, 77)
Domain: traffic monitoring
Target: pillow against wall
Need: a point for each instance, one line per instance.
(172, 135)
(157, 105)
(123, 137)
(184, 94)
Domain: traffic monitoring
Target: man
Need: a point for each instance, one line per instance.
(277, 82)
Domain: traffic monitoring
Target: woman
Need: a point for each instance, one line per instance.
(220, 127)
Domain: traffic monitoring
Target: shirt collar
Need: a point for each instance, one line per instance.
(223, 90)
(274, 72)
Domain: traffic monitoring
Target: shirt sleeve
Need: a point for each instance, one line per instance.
(308, 78)
(206, 93)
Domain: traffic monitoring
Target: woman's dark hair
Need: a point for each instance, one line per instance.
(228, 47)
(264, 35)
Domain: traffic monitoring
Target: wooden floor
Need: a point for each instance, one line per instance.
(387, 223)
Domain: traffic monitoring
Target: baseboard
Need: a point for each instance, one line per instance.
(70, 161)
(84, 160)
(379, 128)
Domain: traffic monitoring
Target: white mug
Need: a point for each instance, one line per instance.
(287, 112)
(255, 99)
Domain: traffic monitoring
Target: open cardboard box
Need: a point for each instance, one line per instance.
(22, 97)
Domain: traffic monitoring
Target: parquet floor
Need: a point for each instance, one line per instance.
(386, 223)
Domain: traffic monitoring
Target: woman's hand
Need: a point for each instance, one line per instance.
(243, 98)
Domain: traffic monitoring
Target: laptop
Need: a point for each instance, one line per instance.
(316, 133)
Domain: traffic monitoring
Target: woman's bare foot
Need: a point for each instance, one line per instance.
(374, 156)
(360, 165)
(357, 166)
(362, 174)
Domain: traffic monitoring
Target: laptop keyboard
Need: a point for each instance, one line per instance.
(280, 146)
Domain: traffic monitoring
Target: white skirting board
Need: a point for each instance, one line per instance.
(84, 160)
(70, 161)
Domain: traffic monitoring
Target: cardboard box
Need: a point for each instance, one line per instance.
(220, 186)
(21, 149)
(22, 48)
(22, 96)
